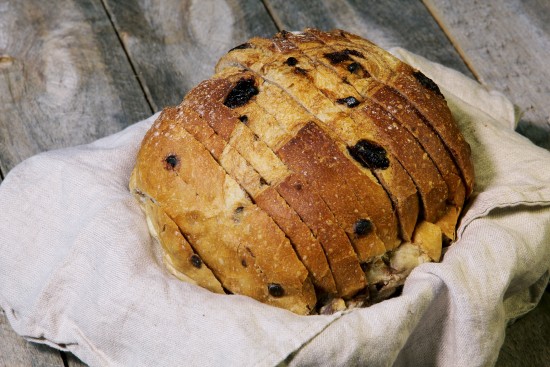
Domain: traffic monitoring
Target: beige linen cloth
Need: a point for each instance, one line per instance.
(79, 272)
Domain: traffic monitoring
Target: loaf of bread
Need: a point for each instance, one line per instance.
(312, 172)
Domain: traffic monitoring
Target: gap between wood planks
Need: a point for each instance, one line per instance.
(273, 15)
(144, 89)
(279, 24)
(451, 39)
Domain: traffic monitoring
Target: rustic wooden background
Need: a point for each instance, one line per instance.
(72, 71)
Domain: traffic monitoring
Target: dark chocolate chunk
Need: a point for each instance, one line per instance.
(243, 119)
(357, 69)
(241, 47)
(348, 101)
(196, 261)
(427, 82)
(369, 154)
(243, 263)
(362, 227)
(291, 61)
(171, 161)
(243, 91)
(276, 290)
(353, 67)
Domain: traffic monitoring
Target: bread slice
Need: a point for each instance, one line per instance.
(316, 105)
(347, 285)
(367, 192)
(178, 256)
(208, 98)
(315, 156)
(378, 126)
(404, 113)
(421, 91)
(341, 256)
(307, 247)
(244, 259)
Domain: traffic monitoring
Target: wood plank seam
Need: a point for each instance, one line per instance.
(433, 12)
(152, 105)
(273, 15)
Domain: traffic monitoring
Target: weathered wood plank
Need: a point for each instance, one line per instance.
(507, 45)
(64, 79)
(175, 44)
(392, 23)
(16, 351)
(527, 341)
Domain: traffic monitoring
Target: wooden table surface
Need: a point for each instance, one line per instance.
(72, 71)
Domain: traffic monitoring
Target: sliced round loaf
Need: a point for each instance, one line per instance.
(312, 172)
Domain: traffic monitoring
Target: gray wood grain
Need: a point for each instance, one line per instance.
(527, 342)
(17, 352)
(507, 45)
(175, 44)
(64, 79)
(390, 23)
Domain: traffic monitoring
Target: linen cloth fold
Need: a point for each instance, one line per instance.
(80, 272)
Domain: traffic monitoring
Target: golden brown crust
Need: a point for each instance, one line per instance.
(178, 252)
(344, 265)
(244, 259)
(369, 121)
(341, 256)
(307, 247)
(314, 155)
(307, 166)
(422, 93)
(226, 124)
(404, 113)
(315, 106)
(409, 118)
(431, 187)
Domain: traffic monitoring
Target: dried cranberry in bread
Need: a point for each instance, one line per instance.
(312, 172)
